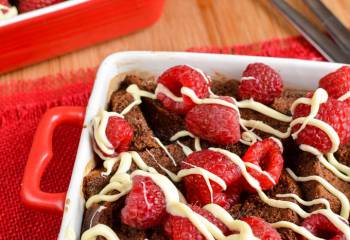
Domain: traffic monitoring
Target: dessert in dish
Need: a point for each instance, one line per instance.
(188, 156)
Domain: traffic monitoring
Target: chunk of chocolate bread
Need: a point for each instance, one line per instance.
(343, 154)
(94, 181)
(225, 87)
(283, 103)
(145, 83)
(101, 214)
(157, 157)
(254, 206)
(163, 122)
(307, 165)
(143, 135)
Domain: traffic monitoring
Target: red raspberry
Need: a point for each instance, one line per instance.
(266, 154)
(197, 191)
(321, 227)
(30, 5)
(333, 112)
(182, 76)
(337, 83)
(144, 205)
(265, 85)
(179, 228)
(119, 133)
(228, 198)
(5, 3)
(215, 123)
(262, 229)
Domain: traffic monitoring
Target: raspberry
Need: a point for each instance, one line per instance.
(262, 229)
(197, 190)
(119, 133)
(267, 155)
(228, 198)
(30, 5)
(144, 205)
(333, 112)
(337, 83)
(5, 3)
(215, 123)
(179, 228)
(321, 227)
(182, 76)
(265, 85)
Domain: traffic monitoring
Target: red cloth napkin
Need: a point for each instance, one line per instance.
(21, 107)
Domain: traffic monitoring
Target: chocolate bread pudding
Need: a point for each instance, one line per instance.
(186, 156)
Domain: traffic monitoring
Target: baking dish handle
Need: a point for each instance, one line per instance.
(41, 154)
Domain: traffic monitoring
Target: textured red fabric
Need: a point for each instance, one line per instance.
(21, 107)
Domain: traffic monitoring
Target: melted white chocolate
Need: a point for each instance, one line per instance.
(258, 168)
(181, 134)
(325, 127)
(185, 149)
(245, 232)
(345, 96)
(287, 204)
(165, 150)
(164, 90)
(345, 205)
(322, 201)
(108, 165)
(99, 230)
(263, 109)
(248, 78)
(121, 181)
(320, 96)
(10, 12)
(298, 229)
(191, 94)
(137, 93)
(266, 128)
(99, 127)
(343, 168)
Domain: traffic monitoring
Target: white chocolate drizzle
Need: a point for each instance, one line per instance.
(298, 229)
(99, 230)
(263, 109)
(121, 181)
(185, 149)
(8, 13)
(345, 96)
(266, 128)
(345, 205)
(248, 78)
(165, 150)
(135, 91)
(287, 204)
(258, 168)
(99, 126)
(184, 133)
(99, 209)
(323, 201)
(164, 90)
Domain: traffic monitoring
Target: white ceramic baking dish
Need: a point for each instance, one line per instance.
(296, 74)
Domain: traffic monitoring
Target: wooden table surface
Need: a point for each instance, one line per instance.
(188, 23)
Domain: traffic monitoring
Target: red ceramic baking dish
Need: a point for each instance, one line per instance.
(61, 28)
